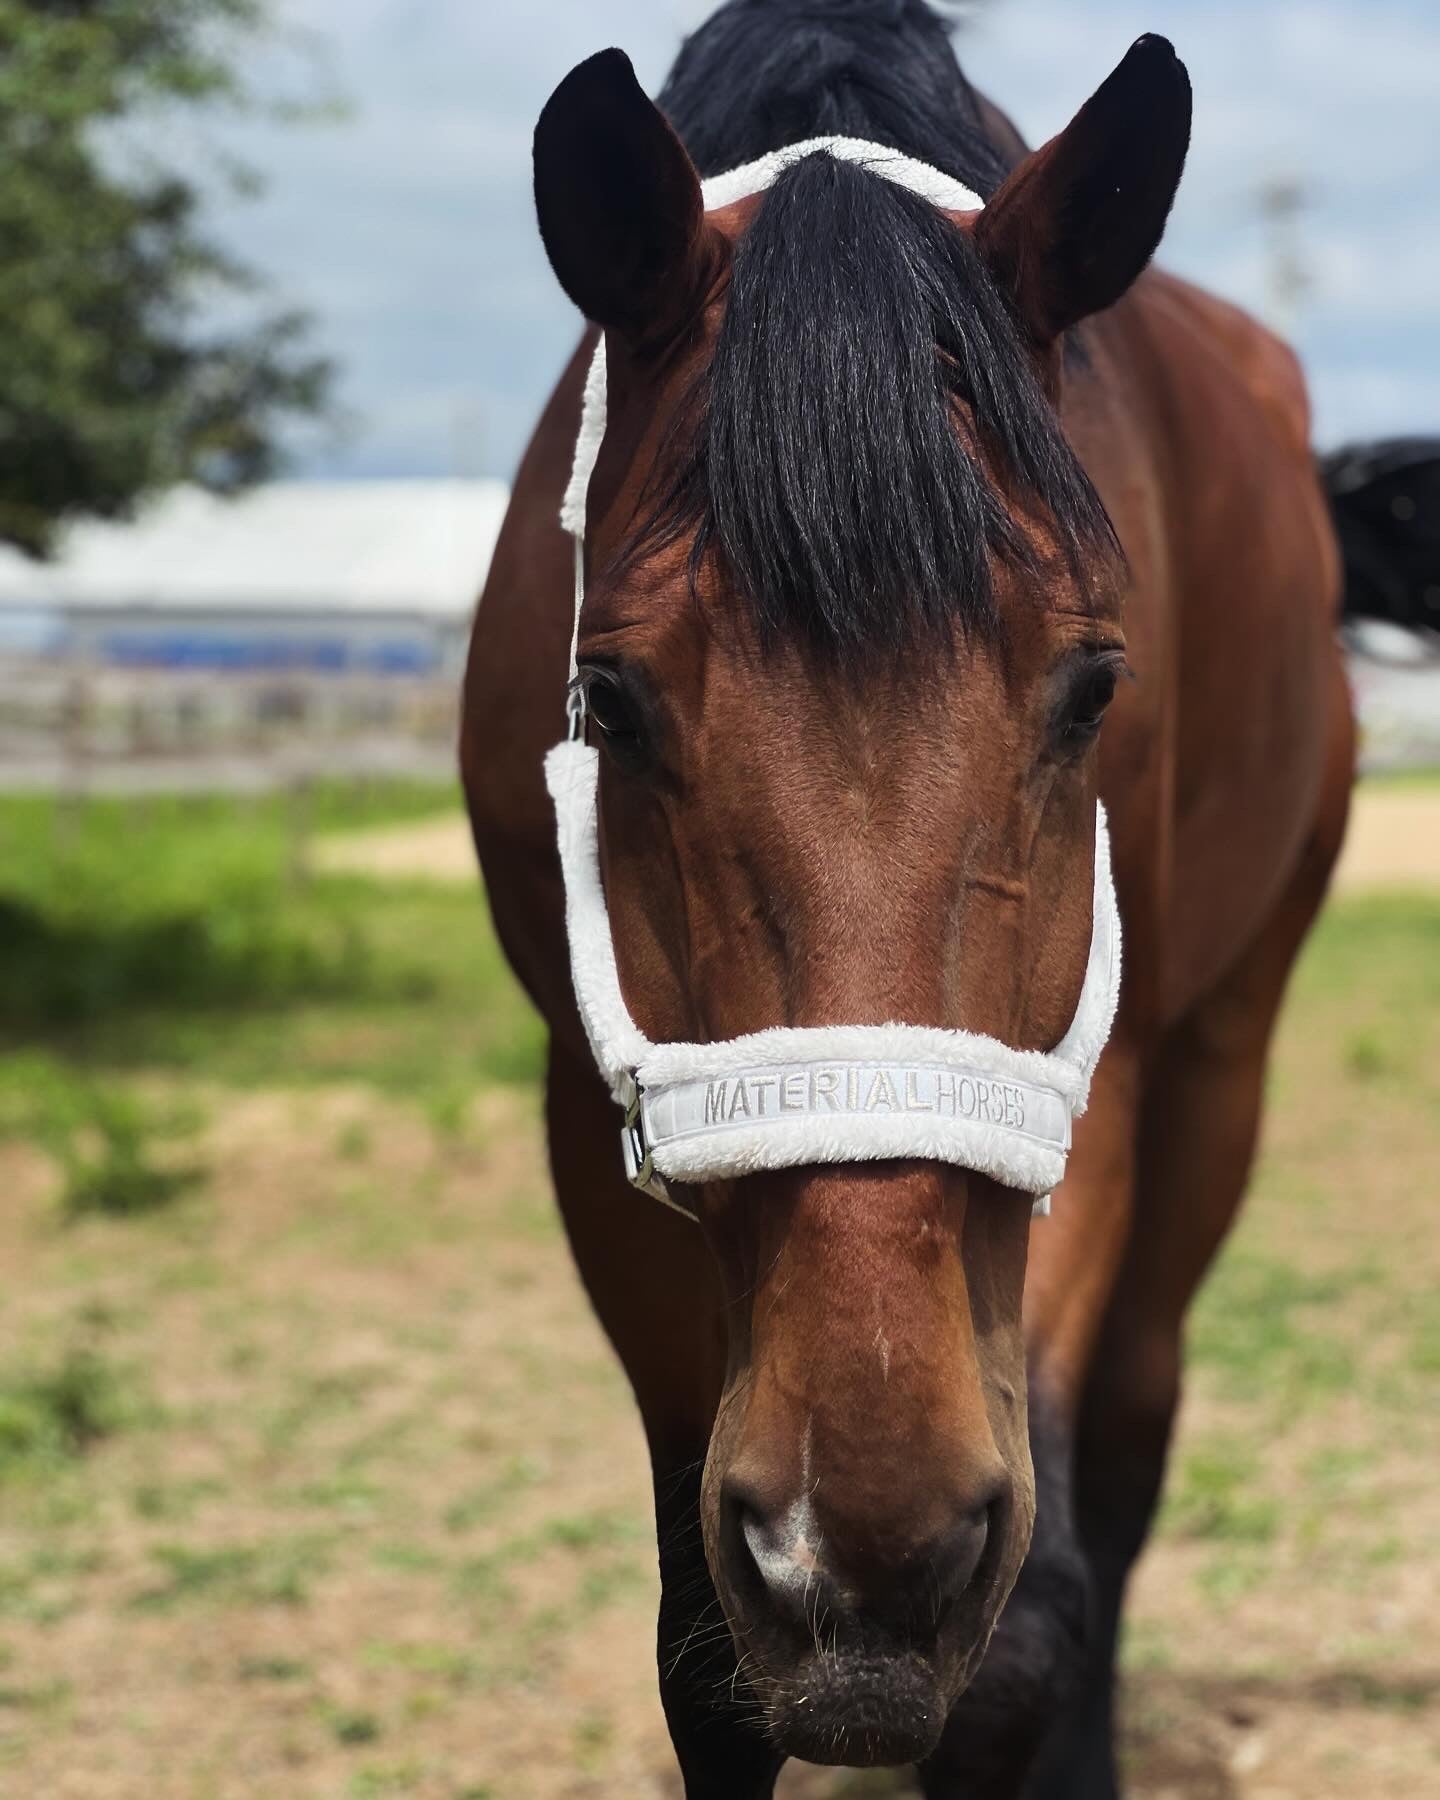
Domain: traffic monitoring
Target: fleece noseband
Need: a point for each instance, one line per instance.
(823, 1094)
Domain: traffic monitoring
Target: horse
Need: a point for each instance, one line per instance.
(913, 533)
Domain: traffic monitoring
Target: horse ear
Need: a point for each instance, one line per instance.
(1077, 221)
(619, 202)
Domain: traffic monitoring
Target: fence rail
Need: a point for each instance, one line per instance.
(68, 727)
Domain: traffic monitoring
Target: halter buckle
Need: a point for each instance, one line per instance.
(634, 1146)
(639, 1160)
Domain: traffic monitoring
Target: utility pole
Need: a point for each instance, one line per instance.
(1282, 202)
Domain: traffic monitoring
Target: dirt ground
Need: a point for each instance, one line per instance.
(379, 1525)
(350, 1501)
(1394, 842)
(430, 850)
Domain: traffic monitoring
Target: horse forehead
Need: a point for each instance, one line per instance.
(804, 778)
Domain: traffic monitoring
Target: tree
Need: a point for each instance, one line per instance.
(116, 377)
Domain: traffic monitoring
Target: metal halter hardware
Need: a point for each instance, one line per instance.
(796, 1097)
(639, 1162)
(639, 1159)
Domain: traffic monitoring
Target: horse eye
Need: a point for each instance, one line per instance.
(612, 712)
(1087, 701)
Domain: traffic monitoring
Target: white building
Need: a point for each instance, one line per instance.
(362, 577)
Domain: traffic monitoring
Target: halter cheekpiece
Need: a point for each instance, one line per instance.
(820, 1094)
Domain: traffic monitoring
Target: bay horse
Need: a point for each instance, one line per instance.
(894, 508)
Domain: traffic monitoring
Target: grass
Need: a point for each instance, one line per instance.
(108, 1143)
(299, 1400)
(1424, 776)
(1211, 1496)
(1380, 955)
(53, 1413)
(171, 936)
(1262, 1326)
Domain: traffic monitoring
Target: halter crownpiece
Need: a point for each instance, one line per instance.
(792, 1096)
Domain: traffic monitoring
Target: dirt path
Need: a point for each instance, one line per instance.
(364, 1506)
(1394, 839)
(433, 850)
(1394, 842)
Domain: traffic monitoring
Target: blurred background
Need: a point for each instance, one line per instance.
(315, 1477)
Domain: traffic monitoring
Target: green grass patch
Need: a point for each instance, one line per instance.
(173, 934)
(179, 902)
(1332, 1473)
(605, 1550)
(383, 1780)
(482, 1505)
(1386, 1693)
(354, 1143)
(41, 1697)
(1369, 1057)
(1232, 1574)
(44, 1585)
(170, 1502)
(1212, 1497)
(454, 1669)
(1374, 947)
(52, 1414)
(352, 1727)
(114, 1149)
(277, 1573)
(1390, 779)
(273, 1668)
(1260, 1324)
(1420, 1318)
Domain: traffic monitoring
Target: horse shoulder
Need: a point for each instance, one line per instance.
(1262, 363)
(1253, 598)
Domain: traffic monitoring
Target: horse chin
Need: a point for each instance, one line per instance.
(858, 1712)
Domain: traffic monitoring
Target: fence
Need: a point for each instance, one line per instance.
(73, 728)
(70, 728)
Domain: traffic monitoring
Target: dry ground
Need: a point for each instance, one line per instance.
(350, 1500)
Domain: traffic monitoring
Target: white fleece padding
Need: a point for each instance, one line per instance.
(790, 1097)
(831, 1108)
(587, 446)
(616, 1041)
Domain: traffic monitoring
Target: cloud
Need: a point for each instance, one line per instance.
(408, 228)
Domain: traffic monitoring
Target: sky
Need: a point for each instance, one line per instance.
(406, 227)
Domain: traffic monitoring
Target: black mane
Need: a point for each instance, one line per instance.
(760, 74)
(820, 459)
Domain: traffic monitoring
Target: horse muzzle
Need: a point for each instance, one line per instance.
(856, 1645)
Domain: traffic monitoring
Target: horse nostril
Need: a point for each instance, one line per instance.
(772, 1552)
(787, 1561)
(958, 1561)
(756, 1534)
(780, 1561)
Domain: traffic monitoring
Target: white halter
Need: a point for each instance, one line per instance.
(824, 1094)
